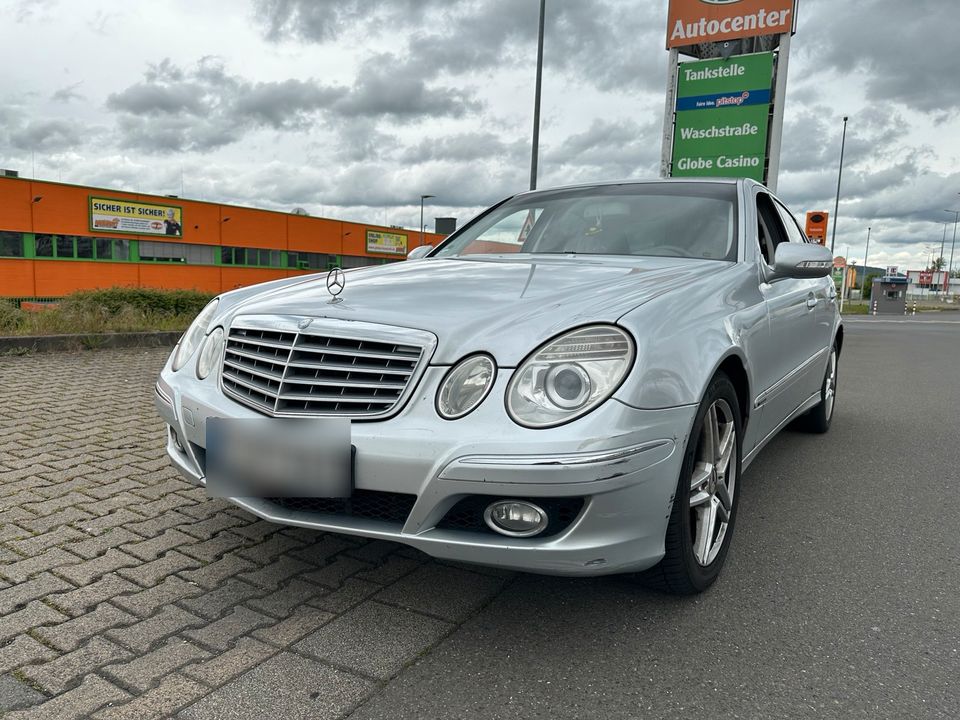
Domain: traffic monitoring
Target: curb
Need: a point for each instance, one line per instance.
(21, 345)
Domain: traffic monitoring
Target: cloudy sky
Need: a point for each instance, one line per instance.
(353, 108)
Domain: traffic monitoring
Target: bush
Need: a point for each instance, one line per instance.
(11, 317)
(111, 310)
(117, 301)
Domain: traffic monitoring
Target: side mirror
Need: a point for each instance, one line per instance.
(419, 252)
(802, 260)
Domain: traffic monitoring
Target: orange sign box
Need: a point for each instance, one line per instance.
(696, 21)
(816, 228)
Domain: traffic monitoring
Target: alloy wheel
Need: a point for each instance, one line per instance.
(712, 482)
(830, 386)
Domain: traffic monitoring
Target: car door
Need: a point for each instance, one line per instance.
(790, 357)
(824, 294)
(823, 289)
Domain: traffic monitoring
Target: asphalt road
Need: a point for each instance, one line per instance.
(839, 598)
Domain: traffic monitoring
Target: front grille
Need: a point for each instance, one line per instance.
(281, 372)
(467, 514)
(370, 504)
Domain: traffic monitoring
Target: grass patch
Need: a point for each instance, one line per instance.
(106, 311)
(852, 309)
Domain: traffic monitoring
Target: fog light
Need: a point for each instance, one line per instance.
(515, 518)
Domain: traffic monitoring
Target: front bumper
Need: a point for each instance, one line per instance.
(622, 460)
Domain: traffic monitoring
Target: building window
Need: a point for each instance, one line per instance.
(151, 251)
(356, 261)
(64, 246)
(103, 248)
(11, 244)
(44, 245)
(121, 249)
(252, 257)
(85, 248)
(310, 261)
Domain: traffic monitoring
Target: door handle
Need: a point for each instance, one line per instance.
(811, 301)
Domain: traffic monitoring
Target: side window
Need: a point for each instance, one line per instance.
(794, 233)
(770, 230)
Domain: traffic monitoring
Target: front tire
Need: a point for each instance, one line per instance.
(705, 504)
(818, 419)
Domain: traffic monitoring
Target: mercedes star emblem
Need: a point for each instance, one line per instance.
(335, 283)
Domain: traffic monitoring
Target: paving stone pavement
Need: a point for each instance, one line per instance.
(126, 593)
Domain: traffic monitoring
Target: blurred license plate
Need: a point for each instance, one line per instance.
(277, 457)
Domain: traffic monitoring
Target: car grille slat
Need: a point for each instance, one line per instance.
(354, 368)
(261, 370)
(306, 373)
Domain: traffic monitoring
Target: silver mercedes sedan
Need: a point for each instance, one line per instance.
(573, 383)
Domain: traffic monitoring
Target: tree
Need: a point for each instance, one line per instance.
(867, 287)
(938, 264)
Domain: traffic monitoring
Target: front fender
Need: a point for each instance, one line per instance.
(684, 336)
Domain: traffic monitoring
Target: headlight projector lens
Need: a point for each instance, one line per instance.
(568, 386)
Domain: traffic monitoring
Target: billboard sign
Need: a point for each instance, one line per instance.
(386, 243)
(690, 22)
(721, 120)
(138, 218)
(816, 228)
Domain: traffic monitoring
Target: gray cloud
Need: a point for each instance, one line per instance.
(607, 150)
(27, 10)
(205, 107)
(901, 50)
(466, 147)
(610, 44)
(46, 136)
(381, 91)
(324, 20)
(68, 93)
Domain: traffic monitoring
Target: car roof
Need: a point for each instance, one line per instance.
(644, 181)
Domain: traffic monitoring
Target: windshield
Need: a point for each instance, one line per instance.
(653, 219)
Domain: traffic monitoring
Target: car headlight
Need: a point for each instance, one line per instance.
(465, 386)
(194, 334)
(569, 376)
(210, 352)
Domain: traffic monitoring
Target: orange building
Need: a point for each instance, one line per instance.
(57, 238)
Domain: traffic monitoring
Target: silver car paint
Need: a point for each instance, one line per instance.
(687, 318)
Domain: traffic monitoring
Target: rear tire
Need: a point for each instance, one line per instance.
(705, 504)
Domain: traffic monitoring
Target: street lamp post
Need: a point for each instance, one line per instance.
(943, 242)
(863, 283)
(956, 216)
(836, 205)
(535, 153)
(422, 198)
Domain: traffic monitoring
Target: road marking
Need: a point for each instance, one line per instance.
(904, 322)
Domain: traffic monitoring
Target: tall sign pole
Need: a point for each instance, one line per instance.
(666, 142)
(776, 122)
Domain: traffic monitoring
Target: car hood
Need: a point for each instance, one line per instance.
(502, 306)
